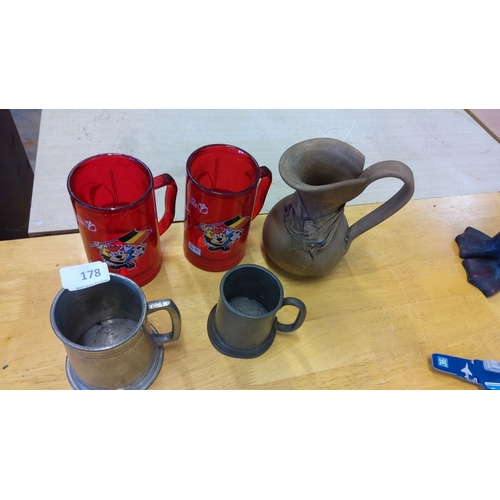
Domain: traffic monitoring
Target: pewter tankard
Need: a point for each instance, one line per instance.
(109, 341)
(244, 321)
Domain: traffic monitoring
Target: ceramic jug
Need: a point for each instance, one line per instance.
(307, 233)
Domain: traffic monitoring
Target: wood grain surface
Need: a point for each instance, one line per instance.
(399, 295)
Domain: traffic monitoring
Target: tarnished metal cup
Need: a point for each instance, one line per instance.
(109, 341)
(243, 323)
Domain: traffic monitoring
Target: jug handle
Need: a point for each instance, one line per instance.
(175, 316)
(380, 170)
(170, 197)
(266, 177)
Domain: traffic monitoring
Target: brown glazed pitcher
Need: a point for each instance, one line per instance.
(306, 233)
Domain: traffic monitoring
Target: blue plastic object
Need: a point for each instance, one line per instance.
(483, 373)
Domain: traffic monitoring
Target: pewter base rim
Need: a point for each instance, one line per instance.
(223, 348)
(141, 383)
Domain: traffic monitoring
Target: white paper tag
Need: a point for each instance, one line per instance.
(83, 276)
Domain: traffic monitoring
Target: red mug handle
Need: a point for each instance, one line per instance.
(266, 177)
(170, 196)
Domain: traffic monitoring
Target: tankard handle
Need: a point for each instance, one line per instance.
(299, 320)
(381, 170)
(170, 197)
(265, 180)
(169, 306)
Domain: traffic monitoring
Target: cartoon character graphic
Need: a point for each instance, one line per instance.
(123, 252)
(222, 235)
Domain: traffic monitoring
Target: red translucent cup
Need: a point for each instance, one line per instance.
(115, 207)
(225, 191)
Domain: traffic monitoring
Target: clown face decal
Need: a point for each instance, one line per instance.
(123, 252)
(221, 236)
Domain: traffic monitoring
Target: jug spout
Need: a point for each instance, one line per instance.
(326, 173)
(327, 198)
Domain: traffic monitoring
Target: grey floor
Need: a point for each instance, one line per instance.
(28, 125)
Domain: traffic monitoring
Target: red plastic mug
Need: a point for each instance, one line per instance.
(225, 191)
(115, 207)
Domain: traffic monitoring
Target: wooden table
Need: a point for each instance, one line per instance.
(399, 295)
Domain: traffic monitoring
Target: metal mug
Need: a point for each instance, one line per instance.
(109, 341)
(243, 323)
